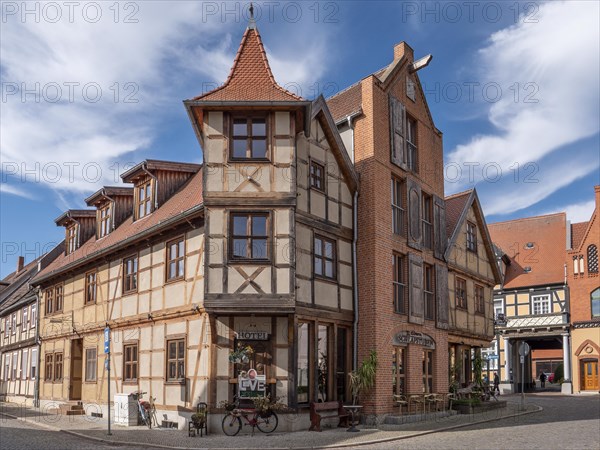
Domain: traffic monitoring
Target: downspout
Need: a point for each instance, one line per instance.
(155, 190)
(354, 263)
(36, 389)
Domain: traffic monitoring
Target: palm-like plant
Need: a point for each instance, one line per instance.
(363, 378)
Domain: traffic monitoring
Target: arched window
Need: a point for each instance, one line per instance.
(592, 257)
(595, 297)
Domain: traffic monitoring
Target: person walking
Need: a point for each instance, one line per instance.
(496, 383)
(543, 380)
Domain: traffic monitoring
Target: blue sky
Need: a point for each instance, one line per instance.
(513, 86)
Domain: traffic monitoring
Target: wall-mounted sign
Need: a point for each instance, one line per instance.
(252, 385)
(252, 335)
(414, 337)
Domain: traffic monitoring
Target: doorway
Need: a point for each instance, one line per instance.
(589, 375)
(76, 372)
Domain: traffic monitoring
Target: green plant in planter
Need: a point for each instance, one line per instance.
(227, 405)
(241, 354)
(265, 406)
(478, 369)
(198, 419)
(363, 378)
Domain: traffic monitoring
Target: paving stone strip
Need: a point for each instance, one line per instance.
(96, 429)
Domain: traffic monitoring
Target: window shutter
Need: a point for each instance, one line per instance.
(441, 296)
(414, 214)
(439, 227)
(415, 293)
(397, 134)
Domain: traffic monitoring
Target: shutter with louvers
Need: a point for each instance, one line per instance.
(415, 292)
(441, 296)
(397, 135)
(439, 227)
(414, 214)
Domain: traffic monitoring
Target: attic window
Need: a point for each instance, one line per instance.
(527, 269)
(71, 238)
(249, 138)
(143, 199)
(104, 214)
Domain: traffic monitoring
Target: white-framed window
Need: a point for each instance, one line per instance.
(24, 319)
(34, 363)
(14, 323)
(498, 307)
(6, 367)
(33, 318)
(540, 304)
(24, 362)
(15, 361)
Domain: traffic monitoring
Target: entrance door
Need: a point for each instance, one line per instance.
(589, 371)
(76, 371)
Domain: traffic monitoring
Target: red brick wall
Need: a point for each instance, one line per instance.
(581, 285)
(376, 242)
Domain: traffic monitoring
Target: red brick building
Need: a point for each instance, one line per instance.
(584, 290)
(387, 127)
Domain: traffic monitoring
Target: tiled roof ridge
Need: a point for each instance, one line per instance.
(459, 194)
(531, 218)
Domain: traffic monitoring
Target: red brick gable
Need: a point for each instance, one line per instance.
(250, 78)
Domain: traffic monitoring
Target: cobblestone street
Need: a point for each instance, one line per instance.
(569, 422)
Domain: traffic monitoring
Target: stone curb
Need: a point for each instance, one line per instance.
(346, 445)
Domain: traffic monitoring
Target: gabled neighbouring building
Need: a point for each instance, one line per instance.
(584, 288)
(532, 301)
(473, 272)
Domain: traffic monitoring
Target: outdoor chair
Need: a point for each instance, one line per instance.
(401, 402)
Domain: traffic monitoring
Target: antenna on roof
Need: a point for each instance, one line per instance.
(251, 22)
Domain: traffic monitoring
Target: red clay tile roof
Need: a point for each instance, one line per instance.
(547, 256)
(250, 78)
(187, 198)
(455, 205)
(578, 233)
(345, 102)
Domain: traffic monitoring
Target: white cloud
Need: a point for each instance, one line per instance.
(560, 56)
(577, 212)
(166, 55)
(13, 190)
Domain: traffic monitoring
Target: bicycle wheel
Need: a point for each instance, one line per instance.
(231, 425)
(144, 417)
(267, 424)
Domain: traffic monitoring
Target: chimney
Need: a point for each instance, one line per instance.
(20, 263)
(403, 49)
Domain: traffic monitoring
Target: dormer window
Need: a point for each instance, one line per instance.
(104, 214)
(71, 238)
(144, 199)
(249, 138)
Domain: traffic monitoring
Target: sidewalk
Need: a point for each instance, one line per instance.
(96, 429)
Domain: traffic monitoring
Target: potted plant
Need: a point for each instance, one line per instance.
(227, 405)
(241, 354)
(265, 406)
(198, 419)
(363, 378)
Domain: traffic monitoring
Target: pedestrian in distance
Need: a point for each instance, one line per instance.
(496, 383)
(543, 380)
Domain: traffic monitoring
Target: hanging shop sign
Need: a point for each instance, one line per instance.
(252, 335)
(415, 338)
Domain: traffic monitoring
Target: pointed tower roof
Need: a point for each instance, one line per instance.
(250, 78)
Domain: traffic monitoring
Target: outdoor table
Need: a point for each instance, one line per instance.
(353, 409)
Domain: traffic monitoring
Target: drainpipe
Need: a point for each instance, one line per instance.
(36, 388)
(155, 190)
(355, 282)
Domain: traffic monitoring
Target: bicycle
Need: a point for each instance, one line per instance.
(146, 409)
(232, 422)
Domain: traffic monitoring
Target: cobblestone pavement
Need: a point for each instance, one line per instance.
(565, 422)
(19, 435)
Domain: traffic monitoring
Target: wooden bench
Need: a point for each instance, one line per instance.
(331, 409)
